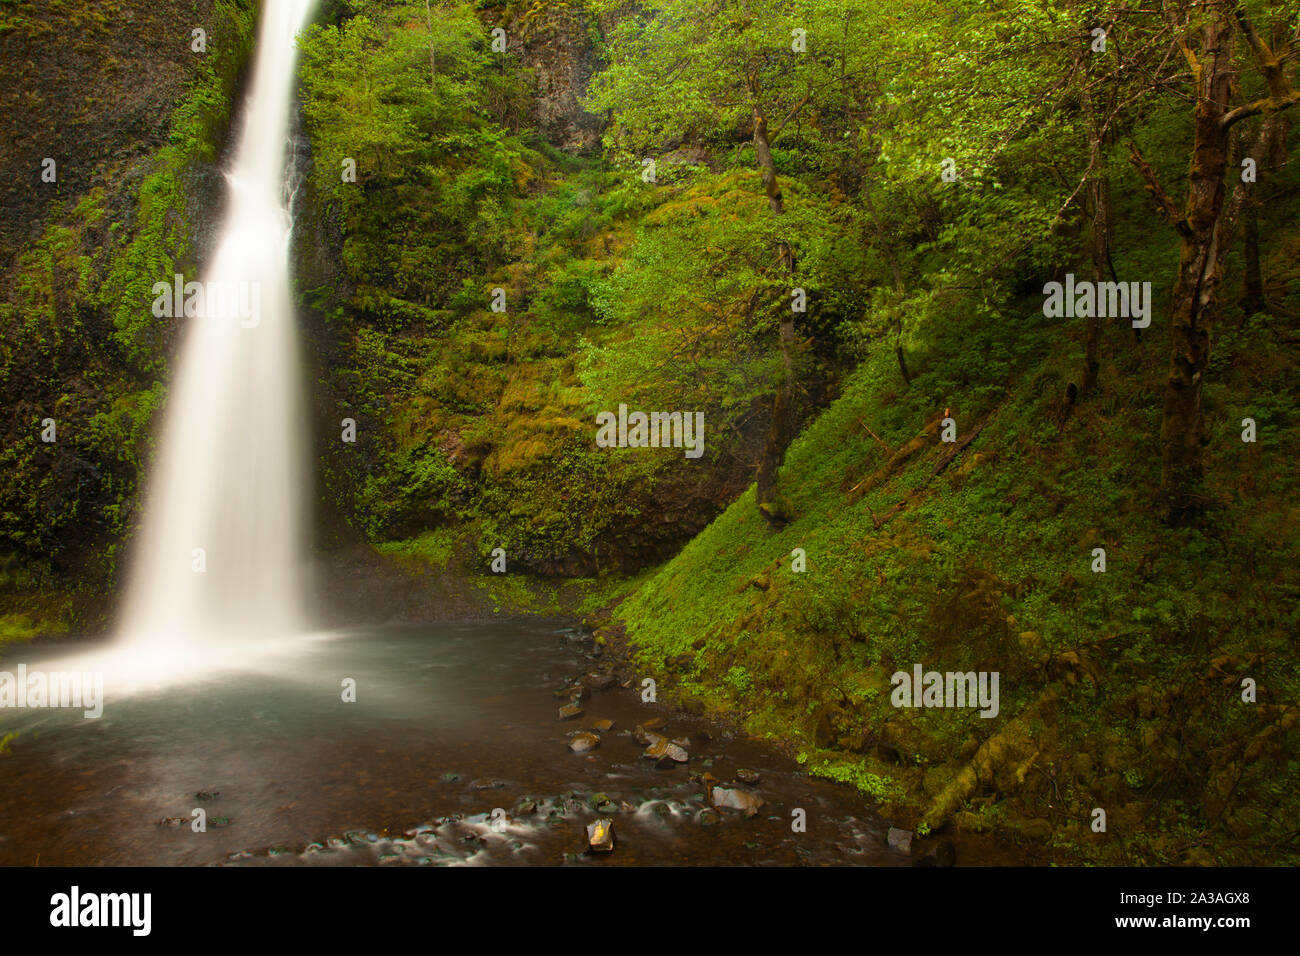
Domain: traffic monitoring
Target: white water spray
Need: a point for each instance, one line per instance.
(222, 552)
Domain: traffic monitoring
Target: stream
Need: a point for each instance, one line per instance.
(451, 722)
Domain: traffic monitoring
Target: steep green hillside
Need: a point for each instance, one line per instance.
(1120, 690)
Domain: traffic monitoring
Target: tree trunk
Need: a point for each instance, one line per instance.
(1252, 298)
(891, 256)
(1182, 429)
(902, 365)
(778, 430)
(433, 72)
(1269, 152)
(1206, 229)
(763, 151)
(1099, 196)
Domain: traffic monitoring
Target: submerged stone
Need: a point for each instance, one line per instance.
(600, 836)
(573, 692)
(570, 711)
(747, 803)
(582, 742)
(665, 750)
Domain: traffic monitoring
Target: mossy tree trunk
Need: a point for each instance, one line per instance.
(1100, 206)
(778, 430)
(1203, 228)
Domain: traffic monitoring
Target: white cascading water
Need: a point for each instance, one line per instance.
(222, 551)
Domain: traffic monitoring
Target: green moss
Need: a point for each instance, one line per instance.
(15, 628)
(854, 774)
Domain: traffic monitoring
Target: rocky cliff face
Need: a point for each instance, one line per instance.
(92, 86)
(134, 119)
(558, 45)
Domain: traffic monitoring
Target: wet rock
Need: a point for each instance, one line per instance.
(582, 742)
(602, 681)
(601, 803)
(573, 692)
(526, 807)
(945, 854)
(709, 817)
(666, 751)
(488, 785)
(625, 807)
(900, 840)
(570, 711)
(747, 803)
(600, 836)
(747, 776)
(654, 723)
(707, 780)
(172, 822)
(645, 737)
(208, 794)
(604, 726)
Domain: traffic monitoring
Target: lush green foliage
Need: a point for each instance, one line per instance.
(936, 166)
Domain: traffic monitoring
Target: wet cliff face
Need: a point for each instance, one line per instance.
(134, 118)
(92, 86)
(558, 45)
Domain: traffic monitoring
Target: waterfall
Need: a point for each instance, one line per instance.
(221, 554)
